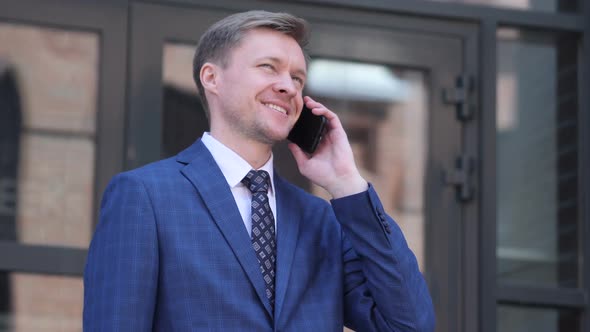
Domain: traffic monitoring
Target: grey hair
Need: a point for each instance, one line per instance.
(217, 42)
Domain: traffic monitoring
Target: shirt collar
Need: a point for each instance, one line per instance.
(234, 167)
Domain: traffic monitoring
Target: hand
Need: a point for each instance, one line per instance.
(332, 166)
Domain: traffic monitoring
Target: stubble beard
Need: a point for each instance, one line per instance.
(263, 133)
(256, 131)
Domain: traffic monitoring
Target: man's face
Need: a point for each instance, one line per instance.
(260, 89)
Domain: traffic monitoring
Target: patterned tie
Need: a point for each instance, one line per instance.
(263, 229)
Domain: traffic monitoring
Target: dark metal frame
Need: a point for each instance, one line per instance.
(487, 236)
(537, 296)
(584, 161)
(461, 12)
(109, 20)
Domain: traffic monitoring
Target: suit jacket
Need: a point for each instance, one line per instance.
(171, 253)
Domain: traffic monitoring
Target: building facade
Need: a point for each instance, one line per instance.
(470, 117)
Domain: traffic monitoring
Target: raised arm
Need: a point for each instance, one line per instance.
(384, 289)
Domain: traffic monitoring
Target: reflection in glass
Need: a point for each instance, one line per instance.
(384, 112)
(48, 97)
(184, 118)
(41, 303)
(537, 153)
(540, 5)
(518, 319)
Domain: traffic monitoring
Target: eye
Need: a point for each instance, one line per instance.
(299, 80)
(267, 65)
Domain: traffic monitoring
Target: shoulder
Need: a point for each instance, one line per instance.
(150, 171)
(159, 167)
(144, 177)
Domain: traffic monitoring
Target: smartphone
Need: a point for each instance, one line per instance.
(308, 130)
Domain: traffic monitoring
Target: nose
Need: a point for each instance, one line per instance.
(286, 86)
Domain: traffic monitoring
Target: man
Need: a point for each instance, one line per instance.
(191, 243)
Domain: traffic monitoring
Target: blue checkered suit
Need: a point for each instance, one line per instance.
(171, 253)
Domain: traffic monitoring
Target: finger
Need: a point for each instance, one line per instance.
(324, 111)
(319, 109)
(333, 121)
(311, 103)
(298, 154)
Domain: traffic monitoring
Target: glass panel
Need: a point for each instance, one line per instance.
(48, 98)
(568, 6)
(184, 116)
(522, 319)
(384, 112)
(537, 191)
(31, 302)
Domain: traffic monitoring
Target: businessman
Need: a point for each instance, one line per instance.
(214, 239)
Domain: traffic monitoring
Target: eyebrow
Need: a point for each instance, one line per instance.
(300, 72)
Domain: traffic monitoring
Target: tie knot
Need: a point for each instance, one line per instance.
(257, 181)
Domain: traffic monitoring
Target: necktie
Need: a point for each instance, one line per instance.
(263, 228)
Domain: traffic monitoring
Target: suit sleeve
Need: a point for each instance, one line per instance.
(120, 279)
(384, 289)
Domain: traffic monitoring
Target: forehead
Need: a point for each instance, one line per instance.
(268, 43)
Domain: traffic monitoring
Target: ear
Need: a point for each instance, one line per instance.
(209, 76)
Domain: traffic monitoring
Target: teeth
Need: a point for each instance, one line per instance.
(277, 108)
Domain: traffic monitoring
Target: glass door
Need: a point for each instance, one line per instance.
(384, 75)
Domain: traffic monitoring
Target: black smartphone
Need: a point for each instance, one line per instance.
(308, 130)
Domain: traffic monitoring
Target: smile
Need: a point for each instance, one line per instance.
(276, 108)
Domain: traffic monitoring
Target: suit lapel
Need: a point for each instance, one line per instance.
(205, 175)
(288, 220)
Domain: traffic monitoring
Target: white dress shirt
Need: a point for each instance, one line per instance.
(234, 169)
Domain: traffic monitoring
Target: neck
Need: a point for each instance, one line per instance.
(255, 153)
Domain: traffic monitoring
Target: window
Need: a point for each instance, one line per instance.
(537, 174)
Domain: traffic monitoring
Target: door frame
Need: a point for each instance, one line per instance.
(181, 23)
